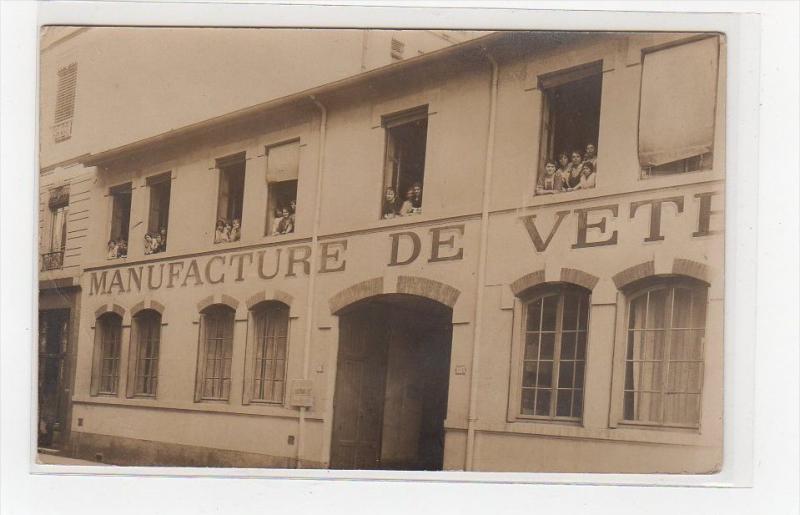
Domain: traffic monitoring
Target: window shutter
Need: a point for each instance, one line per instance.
(97, 358)
(678, 102)
(224, 195)
(133, 358)
(283, 162)
(201, 359)
(65, 94)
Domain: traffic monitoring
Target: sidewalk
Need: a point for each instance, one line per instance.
(51, 459)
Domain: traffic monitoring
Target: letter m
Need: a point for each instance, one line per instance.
(98, 285)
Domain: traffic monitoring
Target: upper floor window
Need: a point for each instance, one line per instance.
(677, 108)
(107, 351)
(230, 198)
(283, 164)
(664, 353)
(58, 203)
(155, 240)
(65, 101)
(120, 221)
(146, 342)
(216, 349)
(268, 369)
(553, 353)
(571, 126)
(404, 162)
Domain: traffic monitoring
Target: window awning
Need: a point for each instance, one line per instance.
(678, 100)
(283, 162)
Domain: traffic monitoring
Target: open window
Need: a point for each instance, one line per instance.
(230, 198)
(404, 162)
(120, 221)
(677, 108)
(571, 126)
(158, 217)
(283, 163)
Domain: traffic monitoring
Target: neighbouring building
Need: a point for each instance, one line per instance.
(150, 80)
(386, 271)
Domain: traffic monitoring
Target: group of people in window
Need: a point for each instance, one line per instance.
(225, 231)
(156, 241)
(117, 248)
(283, 222)
(576, 171)
(394, 207)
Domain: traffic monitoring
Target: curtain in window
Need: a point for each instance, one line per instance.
(283, 162)
(110, 327)
(664, 356)
(271, 327)
(148, 340)
(678, 99)
(218, 347)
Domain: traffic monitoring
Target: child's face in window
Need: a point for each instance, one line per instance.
(390, 195)
(576, 158)
(285, 212)
(563, 160)
(587, 170)
(417, 190)
(550, 169)
(590, 150)
(410, 193)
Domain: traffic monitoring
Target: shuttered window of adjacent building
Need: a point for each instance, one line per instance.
(65, 96)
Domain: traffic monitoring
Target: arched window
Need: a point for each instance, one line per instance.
(269, 348)
(552, 352)
(664, 352)
(108, 341)
(146, 341)
(216, 348)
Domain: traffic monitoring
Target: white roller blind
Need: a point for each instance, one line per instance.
(283, 162)
(678, 98)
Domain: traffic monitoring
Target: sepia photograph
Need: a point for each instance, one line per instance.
(380, 249)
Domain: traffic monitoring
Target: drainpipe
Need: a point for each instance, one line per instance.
(478, 326)
(312, 275)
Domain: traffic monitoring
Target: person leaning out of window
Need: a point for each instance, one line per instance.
(413, 202)
(550, 182)
(391, 208)
(588, 177)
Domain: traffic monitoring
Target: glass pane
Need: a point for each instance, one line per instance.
(682, 409)
(549, 308)
(532, 346)
(568, 345)
(580, 350)
(653, 345)
(527, 401)
(636, 318)
(533, 315)
(543, 402)
(699, 308)
(571, 310)
(657, 310)
(685, 377)
(577, 404)
(564, 403)
(682, 306)
(565, 374)
(548, 343)
(643, 407)
(545, 377)
(686, 345)
(529, 374)
(579, 378)
(646, 375)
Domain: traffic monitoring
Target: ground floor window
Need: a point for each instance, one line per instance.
(555, 322)
(108, 335)
(147, 326)
(216, 349)
(270, 339)
(664, 353)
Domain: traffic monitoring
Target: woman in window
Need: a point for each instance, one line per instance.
(573, 177)
(390, 209)
(550, 182)
(563, 167)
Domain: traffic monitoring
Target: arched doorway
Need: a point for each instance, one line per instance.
(392, 381)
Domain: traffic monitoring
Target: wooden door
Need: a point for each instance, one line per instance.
(360, 390)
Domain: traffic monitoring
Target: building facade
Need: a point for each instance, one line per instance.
(388, 271)
(142, 75)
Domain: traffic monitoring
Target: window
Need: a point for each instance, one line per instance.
(398, 47)
(216, 348)
(664, 353)
(404, 162)
(571, 126)
(677, 108)
(108, 338)
(230, 199)
(146, 341)
(158, 218)
(271, 321)
(283, 162)
(65, 101)
(120, 221)
(553, 354)
(53, 258)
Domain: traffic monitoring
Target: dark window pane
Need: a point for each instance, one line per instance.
(577, 404)
(534, 315)
(565, 374)
(527, 401)
(545, 377)
(580, 351)
(568, 345)
(549, 308)
(571, 309)
(657, 311)
(543, 402)
(579, 378)
(529, 374)
(564, 403)
(548, 343)
(532, 346)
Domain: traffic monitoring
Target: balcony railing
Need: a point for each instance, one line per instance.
(53, 260)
